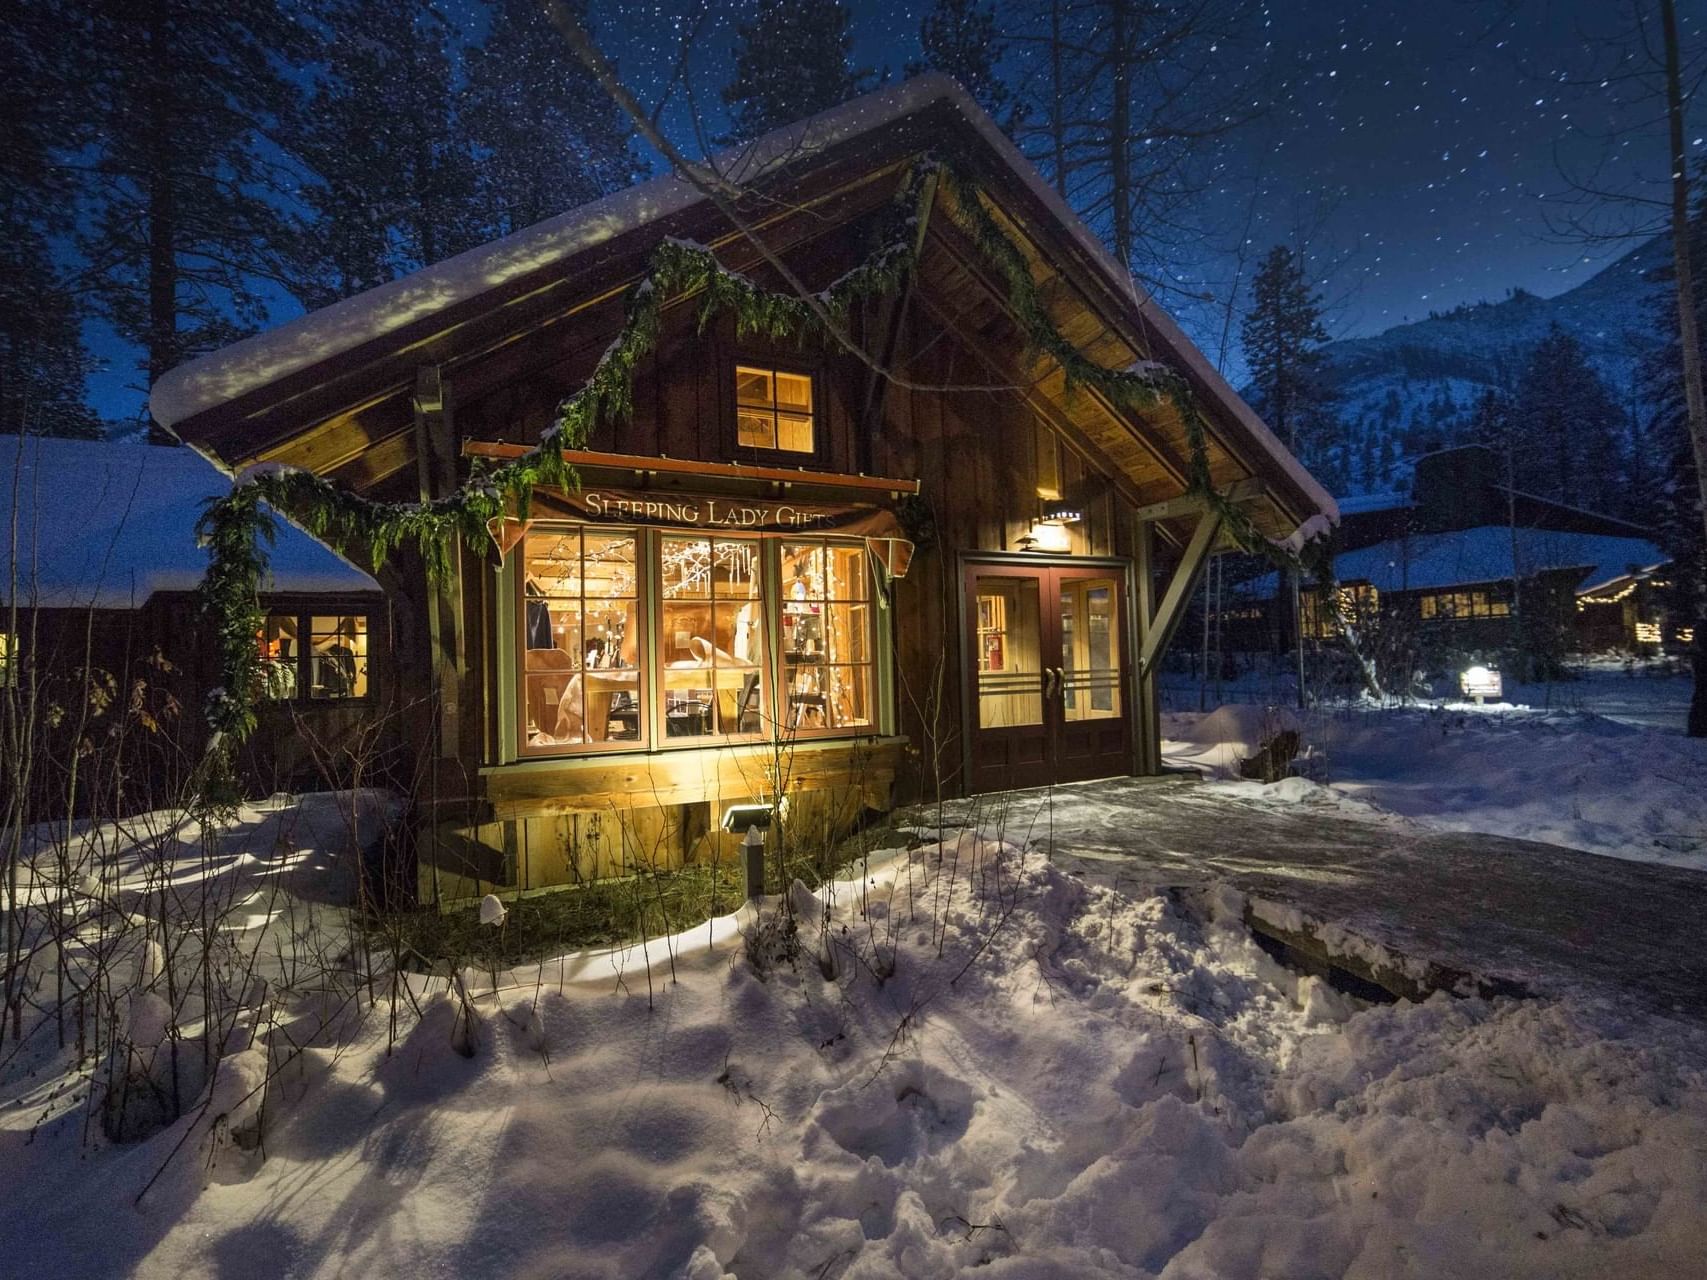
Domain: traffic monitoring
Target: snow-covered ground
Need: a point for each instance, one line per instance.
(1566, 775)
(976, 1062)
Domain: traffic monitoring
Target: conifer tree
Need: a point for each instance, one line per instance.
(1566, 426)
(42, 361)
(792, 60)
(1282, 336)
(961, 39)
(395, 178)
(545, 135)
(187, 187)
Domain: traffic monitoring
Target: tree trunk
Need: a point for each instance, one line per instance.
(1058, 115)
(1119, 130)
(162, 213)
(1689, 336)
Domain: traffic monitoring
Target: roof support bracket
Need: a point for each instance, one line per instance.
(1172, 609)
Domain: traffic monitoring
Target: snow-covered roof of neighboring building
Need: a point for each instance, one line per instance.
(230, 372)
(1484, 554)
(1462, 557)
(106, 526)
(1361, 503)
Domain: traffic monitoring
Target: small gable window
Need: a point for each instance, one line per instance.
(773, 409)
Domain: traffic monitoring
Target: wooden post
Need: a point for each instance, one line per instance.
(436, 454)
(1149, 723)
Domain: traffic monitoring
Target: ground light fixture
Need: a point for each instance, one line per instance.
(1481, 683)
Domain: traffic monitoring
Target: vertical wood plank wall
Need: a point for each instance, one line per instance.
(975, 453)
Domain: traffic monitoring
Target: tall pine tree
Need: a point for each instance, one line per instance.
(1566, 426)
(187, 189)
(792, 60)
(1282, 337)
(396, 177)
(546, 136)
(42, 361)
(961, 39)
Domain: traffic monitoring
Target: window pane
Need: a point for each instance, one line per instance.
(337, 656)
(849, 693)
(753, 386)
(794, 433)
(685, 568)
(1010, 670)
(280, 656)
(794, 391)
(735, 570)
(848, 576)
(805, 705)
(581, 641)
(713, 680)
(848, 632)
(756, 430)
(802, 570)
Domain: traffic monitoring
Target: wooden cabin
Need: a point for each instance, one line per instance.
(99, 620)
(847, 573)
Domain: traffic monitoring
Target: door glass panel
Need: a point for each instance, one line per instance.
(1010, 662)
(1090, 650)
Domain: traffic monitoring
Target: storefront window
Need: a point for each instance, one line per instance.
(711, 636)
(587, 630)
(581, 670)
(826, 636)
(314, 656)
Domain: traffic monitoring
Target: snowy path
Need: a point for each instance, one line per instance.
(1554, 920)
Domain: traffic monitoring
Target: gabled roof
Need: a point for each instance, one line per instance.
(231, 403)
(106, 526)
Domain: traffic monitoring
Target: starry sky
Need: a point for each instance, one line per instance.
(1414, 147)
(1411, 144)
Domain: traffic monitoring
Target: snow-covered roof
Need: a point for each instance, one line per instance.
(1484, 554)
(1362, 503)
(105, 526)
(223, 375)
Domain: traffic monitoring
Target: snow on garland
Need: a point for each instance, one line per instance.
(234, 527)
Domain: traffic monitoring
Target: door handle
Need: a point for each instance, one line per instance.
(1048, 675)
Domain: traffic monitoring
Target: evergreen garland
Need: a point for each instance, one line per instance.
(234, 526)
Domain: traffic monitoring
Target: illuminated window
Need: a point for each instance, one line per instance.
(1358, 606)
(1446, 606)
(773, 409)
(314, 656)
(581, 639)
(8, 659)
(826, 636)
(711, 638)
(714, 639)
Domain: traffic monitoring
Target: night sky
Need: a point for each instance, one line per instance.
(1412, 144)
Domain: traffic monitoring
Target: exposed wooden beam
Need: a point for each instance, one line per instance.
(1172, 608)
(1246, 490)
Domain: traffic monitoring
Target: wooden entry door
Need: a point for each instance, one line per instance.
(1047, 673)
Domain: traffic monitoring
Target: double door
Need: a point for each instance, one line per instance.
(1048, 674)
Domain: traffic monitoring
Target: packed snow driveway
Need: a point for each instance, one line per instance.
(1550, 920)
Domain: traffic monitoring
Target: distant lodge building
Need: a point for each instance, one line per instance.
(1458, 553)
(785, 575)
(99, 618)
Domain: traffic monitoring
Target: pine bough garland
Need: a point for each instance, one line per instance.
(234, 528)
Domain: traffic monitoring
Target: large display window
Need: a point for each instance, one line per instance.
(663, 638)
(581, 639)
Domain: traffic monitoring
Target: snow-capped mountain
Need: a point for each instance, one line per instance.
(1414, 387)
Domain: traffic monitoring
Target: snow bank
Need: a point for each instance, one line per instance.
(1015, 1072)
(1562, 777)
